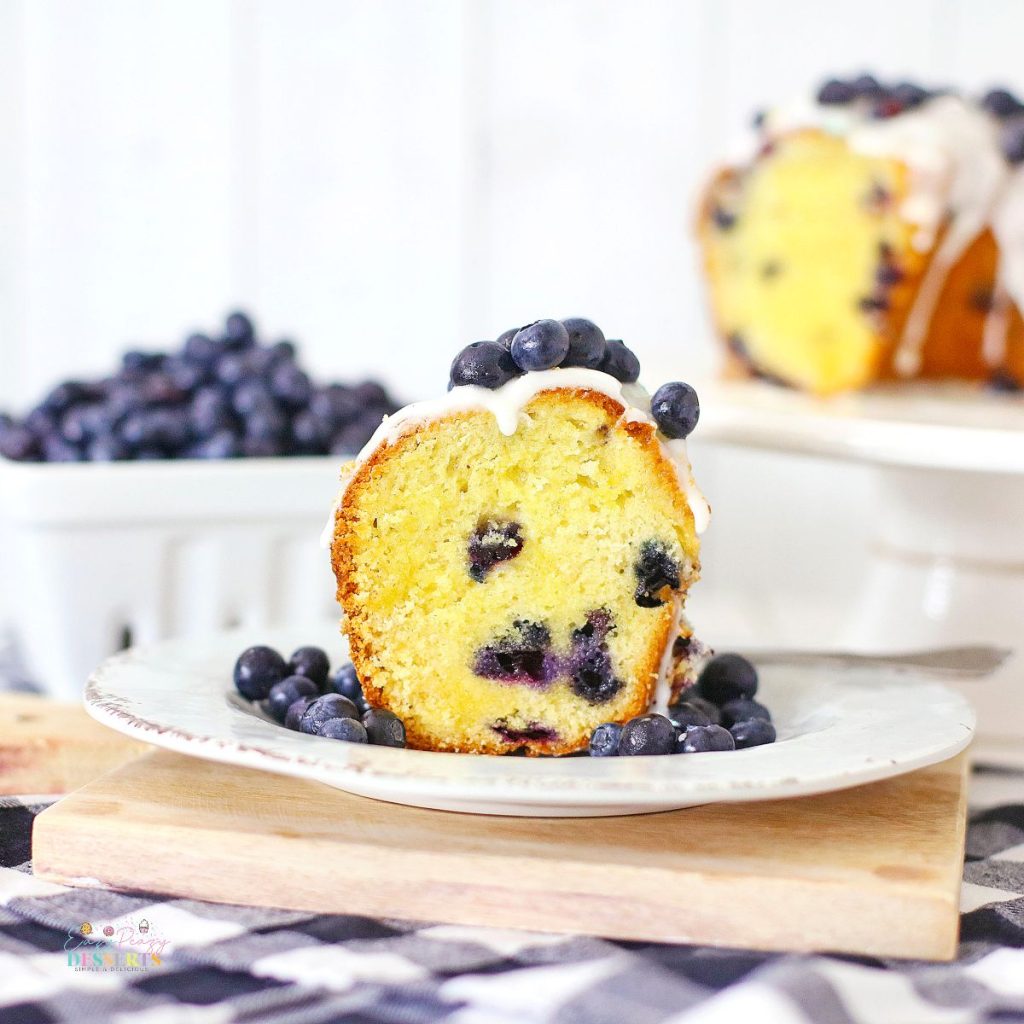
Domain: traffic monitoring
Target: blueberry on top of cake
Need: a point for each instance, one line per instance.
(851, 240)
(512, 558)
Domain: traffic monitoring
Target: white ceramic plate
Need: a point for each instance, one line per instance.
(925, 425)
(838, 727)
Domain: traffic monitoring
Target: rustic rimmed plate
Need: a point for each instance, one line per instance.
(838, 727)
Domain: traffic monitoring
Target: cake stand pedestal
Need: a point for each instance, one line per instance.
(946, 556)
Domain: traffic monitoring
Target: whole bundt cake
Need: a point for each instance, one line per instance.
(512, 559)
(873, 232)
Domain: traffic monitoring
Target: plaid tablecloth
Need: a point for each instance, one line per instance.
(183, 960)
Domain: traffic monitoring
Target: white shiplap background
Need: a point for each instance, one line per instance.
(385, 180)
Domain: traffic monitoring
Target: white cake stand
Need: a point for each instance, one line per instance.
(946, 561)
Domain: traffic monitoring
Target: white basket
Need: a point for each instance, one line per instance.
(96, 556)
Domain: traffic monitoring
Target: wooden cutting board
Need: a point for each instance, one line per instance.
(874, 870)
(49, 746)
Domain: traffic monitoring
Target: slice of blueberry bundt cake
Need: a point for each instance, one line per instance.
(865, 235)
(512, 559)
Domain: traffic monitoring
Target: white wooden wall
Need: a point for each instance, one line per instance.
(389, 179)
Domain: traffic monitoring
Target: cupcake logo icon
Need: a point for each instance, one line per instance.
(86, 929)
(143, 926)
(108, 931)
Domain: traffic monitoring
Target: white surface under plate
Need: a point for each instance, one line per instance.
(837, 728)
(928, 426)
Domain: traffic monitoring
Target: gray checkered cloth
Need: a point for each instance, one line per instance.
(225, 963)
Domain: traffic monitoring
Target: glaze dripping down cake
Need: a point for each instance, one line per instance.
(872, 233)
(512, 559)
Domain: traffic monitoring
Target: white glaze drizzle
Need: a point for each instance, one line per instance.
(507, 403)
(951, 149)
(1008, 228)
(666, 667)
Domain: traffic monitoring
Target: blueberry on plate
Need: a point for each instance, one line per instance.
(685, 714)
(285, 693)
(752, 732)
(620, 362)
(743, 709)
(485, 364)
(713, 711)
(348, 729)
(323, 709)
(702, 739)
(257, 670)
(295, 712)
(310, 662)
(346, 682)
(647, 734)
(384, 728)
(605, 739)
(675, 409)
(540, 345)
(727, 677)
(587, 346)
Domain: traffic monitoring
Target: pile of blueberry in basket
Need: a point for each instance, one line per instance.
(221, 395)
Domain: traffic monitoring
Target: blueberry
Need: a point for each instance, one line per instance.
(675, 409)
(252, 396)
(685, 714)
(17, 442)
(493, 541)
(909, 95)
(107, 447)
(384, 728)
(835, 92)
(742, 709)
(63, 396)
(186, 374)
(310, 434)
(82, 422)
(1012, 141)
(291, 386)
(647, 734)
(522, 655)
(866, 85)
(295, 712)
(485, 364)
(723, 219)
(999, 380)
(540, 345)
(160, 389)
(605, 739)
(310, 662)
(56, 449)
(712, 711)
(266, 424)
(224, 444)
(347, 729)
(350, 440)
(700, 739)
(257, 670)
(322, 709)
(285, 693)
(370, 392)
(1001, 103)
(655, 570)
(587, 346)
(620, 362)
(232, 368)
(346, 682)
(752, 732)
(201, 348)
(505, 338)
(238, 330)
(210, 411)
(727, 677)
(335, 404)
(134, 362)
